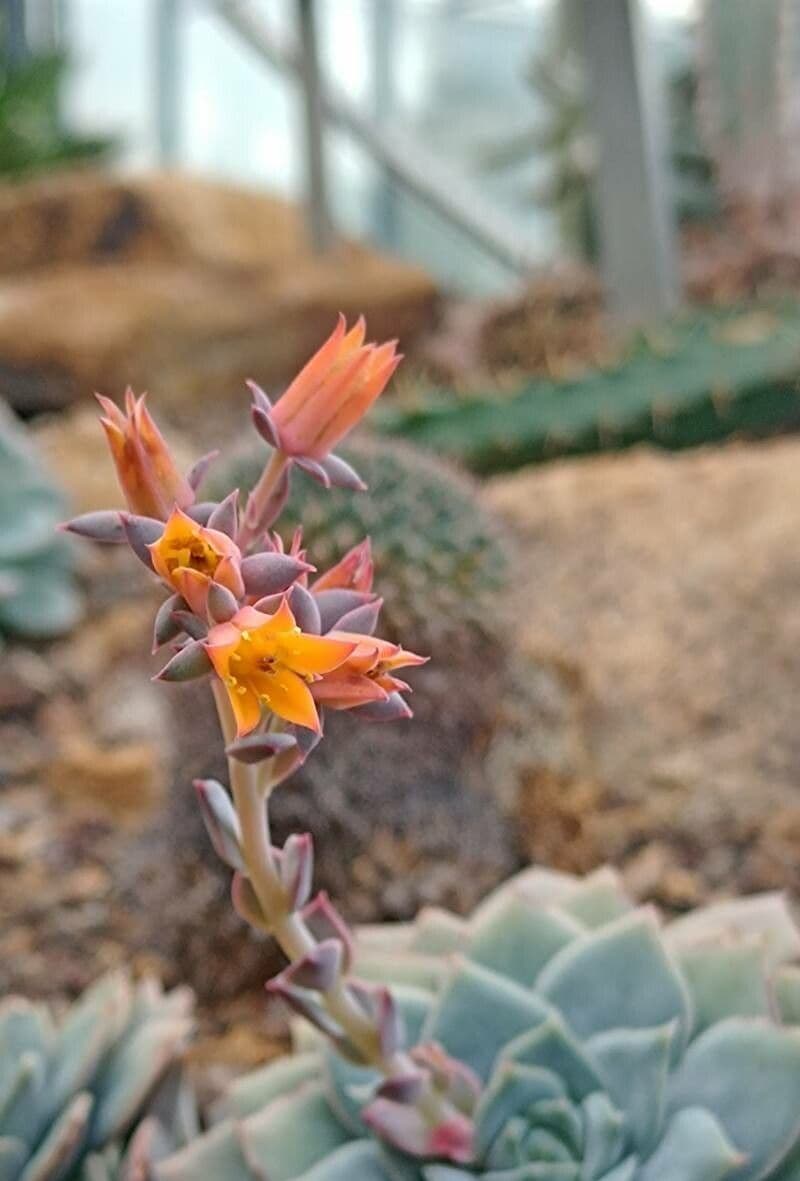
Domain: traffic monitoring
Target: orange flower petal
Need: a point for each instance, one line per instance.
(192, 586)
(345, 690)
(313, 655)
(246, 708)
(288, 696)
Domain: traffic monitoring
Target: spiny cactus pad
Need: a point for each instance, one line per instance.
(439, 559)
(37, 594)
(701, 377)
(72, 1090)
(609, 1047)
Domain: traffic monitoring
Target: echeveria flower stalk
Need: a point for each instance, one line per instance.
(278, 649)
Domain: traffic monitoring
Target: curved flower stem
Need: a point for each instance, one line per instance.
(290, 929)
(258, 501)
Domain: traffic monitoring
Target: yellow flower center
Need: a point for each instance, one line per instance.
(256, 654)
(190, 552)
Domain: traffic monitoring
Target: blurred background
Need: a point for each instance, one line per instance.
(581, 219)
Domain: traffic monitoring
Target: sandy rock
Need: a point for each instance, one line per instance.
(175, 285)
(670, 583)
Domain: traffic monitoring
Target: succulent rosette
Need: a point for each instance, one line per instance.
(95, 1093)
(596, 1043)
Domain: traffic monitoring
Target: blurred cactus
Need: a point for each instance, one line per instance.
(701, 377)
(94, 1095)
(601, 1046)
(438, 557)
(37, 594)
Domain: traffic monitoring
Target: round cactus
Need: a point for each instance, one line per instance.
(606, 1047)
(438, 555)
(72, 1091)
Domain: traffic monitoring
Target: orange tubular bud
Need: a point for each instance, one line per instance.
(148, 476)
(332, 392)
(190, 557)
(367, 675)
(266, 662)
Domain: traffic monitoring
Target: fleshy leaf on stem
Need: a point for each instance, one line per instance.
(198, 471)
(104, 526)
(189, 663)
(271, 574)
(246, 903)
(296, 865)
(324, 921)
(165, 626)
(255, 748)
(225, 516)
(221, 821)
(317, 970)
(140, 534)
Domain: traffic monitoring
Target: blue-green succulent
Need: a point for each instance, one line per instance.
(38, 598)
(607, 1045)
(97, 1094)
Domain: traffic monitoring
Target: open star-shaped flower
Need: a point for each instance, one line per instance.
(267, 663)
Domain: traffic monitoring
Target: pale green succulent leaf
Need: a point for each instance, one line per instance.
(604, 1135)
(619, 976)
(694, 1148)
(551, 1046)
(399, 1166)
(765, 918)
(90, 1028)
(291, 1135)
(538, 1171)
(731, 1066)
(725, 981)
(13, 1154)
(133, 1072)
(513, 1087)
(19, 1105)
(625, 1171)
(252, 1092)
(438, 932)
(361, 1160)
(598, 899)
(516, 941)
(788, 1169)
(413, 969)
(787, 994)
(634, 1066)
(218, 1155)
(347, 1084)
(505, 1009)
(60, 1148)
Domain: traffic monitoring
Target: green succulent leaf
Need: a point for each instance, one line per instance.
(641, 987)
(518, 942)
(725, 982)
(622, 1055)
(506, 1010)
(723, 1072)
(287, 1139)
(694, 1148)
(361, 1159)
(609, 1049)
(71, 1085)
